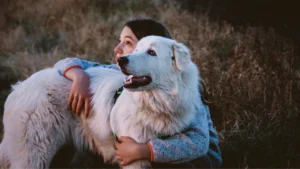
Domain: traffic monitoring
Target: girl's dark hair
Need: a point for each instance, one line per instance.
(146, 27)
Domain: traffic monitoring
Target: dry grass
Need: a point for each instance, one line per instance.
(252, 75)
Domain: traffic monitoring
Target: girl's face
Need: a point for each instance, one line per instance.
(127, 43)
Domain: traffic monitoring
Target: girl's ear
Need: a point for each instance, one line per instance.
(181, 55)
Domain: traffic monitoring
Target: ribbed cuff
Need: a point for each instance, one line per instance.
(69, 68)
(151, 152)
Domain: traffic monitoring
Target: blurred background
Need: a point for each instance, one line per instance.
(247, 52)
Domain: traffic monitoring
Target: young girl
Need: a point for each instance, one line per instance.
(189, 149)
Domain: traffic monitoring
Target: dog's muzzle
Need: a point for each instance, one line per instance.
(132, 81)
(122, 62)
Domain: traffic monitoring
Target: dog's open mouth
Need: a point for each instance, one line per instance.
(136, 81)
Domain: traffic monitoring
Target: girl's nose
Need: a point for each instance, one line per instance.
(118, 49)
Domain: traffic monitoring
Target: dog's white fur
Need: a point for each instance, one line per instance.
(37, 121)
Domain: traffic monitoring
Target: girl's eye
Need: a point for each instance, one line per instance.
(151, 52)
(127, 42)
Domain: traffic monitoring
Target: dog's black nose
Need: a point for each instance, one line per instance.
(123, 61)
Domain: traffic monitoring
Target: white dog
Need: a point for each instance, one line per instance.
(160, 98)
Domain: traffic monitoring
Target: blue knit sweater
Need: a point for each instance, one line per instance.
(191, 144)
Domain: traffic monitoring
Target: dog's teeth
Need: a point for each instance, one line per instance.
(129, 77)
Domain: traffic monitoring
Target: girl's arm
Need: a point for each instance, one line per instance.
(67, 64)
(73, 69)
(186, 146)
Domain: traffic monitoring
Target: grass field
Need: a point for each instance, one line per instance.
(252, 74)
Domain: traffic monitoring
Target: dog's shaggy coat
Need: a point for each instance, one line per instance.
(37, 121)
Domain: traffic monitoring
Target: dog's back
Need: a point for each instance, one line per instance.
(34, 114)
(37, 121)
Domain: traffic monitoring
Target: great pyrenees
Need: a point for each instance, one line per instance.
(160, 98)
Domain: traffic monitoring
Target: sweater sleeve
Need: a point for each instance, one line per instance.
(186, 146)
(64, 64)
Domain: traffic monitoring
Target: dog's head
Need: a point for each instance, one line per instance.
(156, 62)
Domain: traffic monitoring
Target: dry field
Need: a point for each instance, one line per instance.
(252, 74)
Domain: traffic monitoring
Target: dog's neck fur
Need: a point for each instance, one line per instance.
(170, 113)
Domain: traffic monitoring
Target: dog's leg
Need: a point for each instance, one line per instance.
(108, 150)
(4, 161)
(34, 137)
(85, 139)
(38, 157)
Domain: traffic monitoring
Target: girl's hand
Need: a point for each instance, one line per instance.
(128, 150)
(80, 95)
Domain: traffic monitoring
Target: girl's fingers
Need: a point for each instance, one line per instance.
(74, 104)
(123, 163)
(119, 158)
(125, 138)
(117, 144)
(70, 100)
(79, 106)
(87, 107)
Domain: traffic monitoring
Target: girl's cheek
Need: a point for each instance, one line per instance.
(128, 51)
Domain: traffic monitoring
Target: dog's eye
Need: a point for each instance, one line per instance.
(151, 52)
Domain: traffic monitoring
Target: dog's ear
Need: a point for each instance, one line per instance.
(181, 55)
